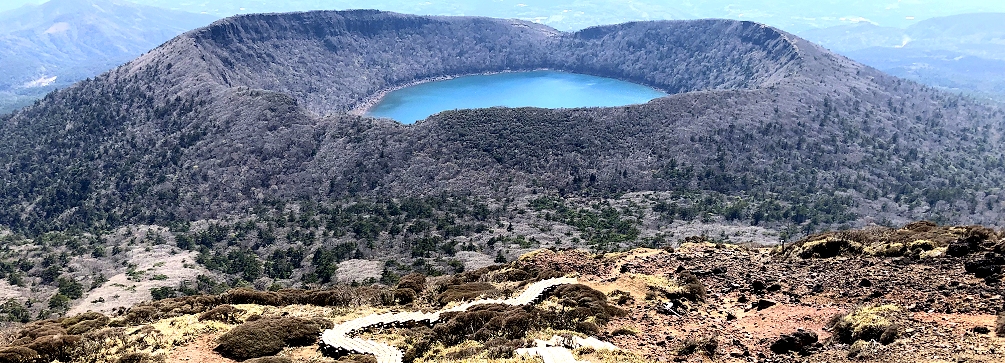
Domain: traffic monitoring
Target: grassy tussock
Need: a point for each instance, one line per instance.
(869, 323)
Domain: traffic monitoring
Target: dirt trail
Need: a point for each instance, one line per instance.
(339, 339)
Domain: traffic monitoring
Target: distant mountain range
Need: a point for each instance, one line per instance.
(60, 42)
(963, 52)
(577, 14)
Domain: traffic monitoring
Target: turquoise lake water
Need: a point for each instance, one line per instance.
(545, 89)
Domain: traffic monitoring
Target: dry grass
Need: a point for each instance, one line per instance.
(608, 356)
(869, 323)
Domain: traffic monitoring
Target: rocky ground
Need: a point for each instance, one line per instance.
(921, 293)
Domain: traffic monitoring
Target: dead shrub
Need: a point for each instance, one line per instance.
(267, 336)
(223, 313)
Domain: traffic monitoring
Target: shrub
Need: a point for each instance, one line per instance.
(583, 302)
(88, 326)
(11, 310)
(707, 346)
(416, 282)
(624, 331)
(690, 289)
(248, 296)
(404, 296)
(502, 348)
(482, 323)
(42, 328)
(867, 324)
(829, 247)
(223, 313)
(55, 347)
(621, 297)
(18, 355)
(686, 287)
(795, 342)
(138, 315)
(163, 292)
(467, 291)
(73, 320)
(70, 288)
(267, 336)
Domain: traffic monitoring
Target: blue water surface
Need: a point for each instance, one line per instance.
(545, 89)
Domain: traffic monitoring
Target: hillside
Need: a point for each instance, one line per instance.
(228, 156)
(194, 129)
(920, 293)
(55, 44)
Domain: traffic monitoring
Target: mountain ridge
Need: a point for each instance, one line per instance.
(206, 133)
(66, 41)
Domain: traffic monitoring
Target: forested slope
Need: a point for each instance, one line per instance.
(253, 109)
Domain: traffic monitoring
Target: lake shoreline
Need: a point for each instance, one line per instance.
(364, 106)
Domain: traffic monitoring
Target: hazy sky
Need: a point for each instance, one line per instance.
(793, 15)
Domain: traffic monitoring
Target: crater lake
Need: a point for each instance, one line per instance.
(545, 89)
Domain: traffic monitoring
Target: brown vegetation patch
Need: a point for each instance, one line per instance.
(466, 291)
(912, 240)
(267, 336)
(55, 347)
(18, 355)
(224, 313)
